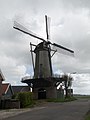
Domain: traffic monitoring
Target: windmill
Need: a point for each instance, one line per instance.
(43, 73)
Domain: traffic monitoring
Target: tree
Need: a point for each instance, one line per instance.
(67, 83)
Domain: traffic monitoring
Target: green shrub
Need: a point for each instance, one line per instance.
(14, 96)
(25, 98)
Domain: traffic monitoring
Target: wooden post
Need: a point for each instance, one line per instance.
(32, 56)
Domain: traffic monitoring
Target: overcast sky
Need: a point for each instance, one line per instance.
(70, 27)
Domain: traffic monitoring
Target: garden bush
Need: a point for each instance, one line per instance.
(25, 98)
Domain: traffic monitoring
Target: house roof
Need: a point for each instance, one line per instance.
(17, 89)
(5, 88)
(1, 76)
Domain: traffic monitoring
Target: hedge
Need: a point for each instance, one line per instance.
(25, 98)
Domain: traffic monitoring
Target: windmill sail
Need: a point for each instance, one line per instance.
(25, 30)
(47, 19)
(63, 50)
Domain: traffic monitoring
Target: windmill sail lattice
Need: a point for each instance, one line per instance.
(23, 29)
(63, 50)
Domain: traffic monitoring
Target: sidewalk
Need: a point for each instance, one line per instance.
(12, 112)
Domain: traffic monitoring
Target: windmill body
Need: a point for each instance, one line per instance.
(43, 83)
(43, 66)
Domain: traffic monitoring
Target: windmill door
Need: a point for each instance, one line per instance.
(41, 94)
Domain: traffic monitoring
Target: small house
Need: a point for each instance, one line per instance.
(7, 91)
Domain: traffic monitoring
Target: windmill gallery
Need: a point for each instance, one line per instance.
(44, 84)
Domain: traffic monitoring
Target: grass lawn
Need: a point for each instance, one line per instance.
(62, 100)
(87, 117)
(82, 96)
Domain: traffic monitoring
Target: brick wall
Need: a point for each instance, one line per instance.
(0, 88)
(10, 104)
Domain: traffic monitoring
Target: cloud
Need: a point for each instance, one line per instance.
(81, 84)
(11, 70)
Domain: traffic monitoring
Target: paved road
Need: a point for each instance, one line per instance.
(56, 111)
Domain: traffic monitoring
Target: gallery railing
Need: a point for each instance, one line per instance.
(32, 77)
